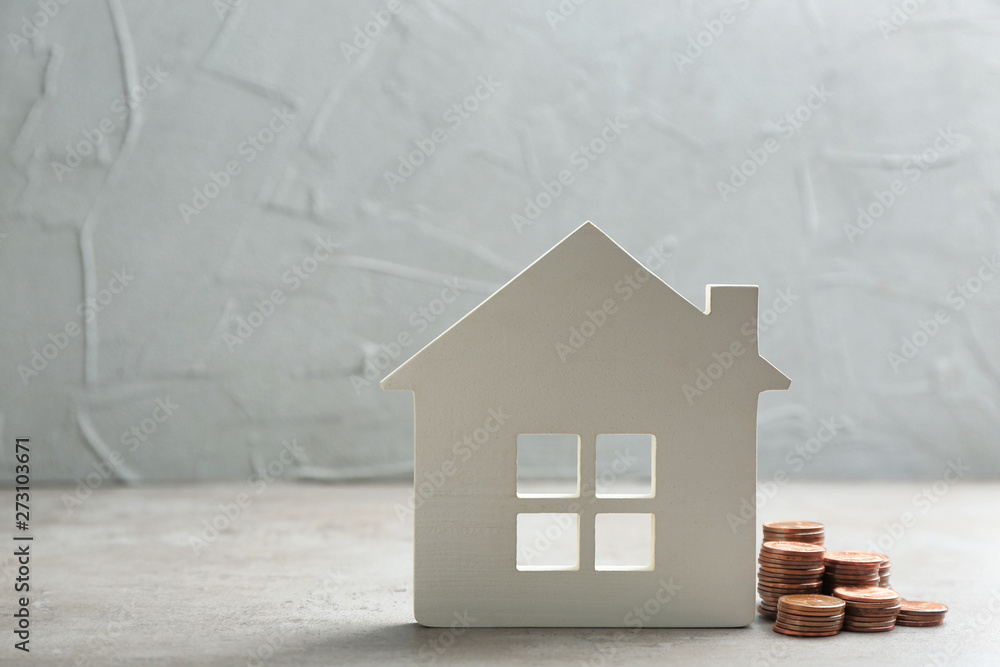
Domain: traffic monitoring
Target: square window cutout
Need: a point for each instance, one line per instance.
(625, 465)
(623, 541)
(548, 465)
(548, 541)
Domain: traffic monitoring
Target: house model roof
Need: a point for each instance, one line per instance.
(579, 274)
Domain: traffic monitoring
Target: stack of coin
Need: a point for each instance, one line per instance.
(884, 570)
(809, 615)
(921, 614)
(787, 568)
(850, 568)
(794, 531)
(869, 608)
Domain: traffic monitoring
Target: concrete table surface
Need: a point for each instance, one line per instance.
(305, 574)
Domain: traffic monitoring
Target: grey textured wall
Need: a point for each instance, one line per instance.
(217, 216)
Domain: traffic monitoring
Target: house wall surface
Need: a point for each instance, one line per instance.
(192, 216)
(465, 556)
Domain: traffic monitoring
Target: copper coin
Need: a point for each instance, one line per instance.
(770, 579)
(846, 557)
(851, 572)
(790, 560)
(814, 618)
(773, 585)
(813, 603)
(786, 567)
(806, 619)
(824, 615)
(816, 575)
(855, 610)
(788, 591)
(809, 538)
(866, 571)
(807, 628)
(850, 581)
(794, 548)
(919, 624)
(791, 526)
(917, 607)
(871, 594)
(884, 628)
(796, 633)
(869, 620)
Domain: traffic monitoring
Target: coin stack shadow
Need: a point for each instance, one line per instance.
(787, 568)
(809, 615)
(869, 608)
(921, 614)
(850, 568)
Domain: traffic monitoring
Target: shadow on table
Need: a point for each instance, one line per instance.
(412, 643)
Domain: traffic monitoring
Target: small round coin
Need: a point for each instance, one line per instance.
(792, 526)
(796, 633)
(869, 594)
(793, 548)
(847, 557)
(919, 624)
(917, 607)
(824, 603)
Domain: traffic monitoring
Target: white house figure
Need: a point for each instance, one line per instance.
(584, 347)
